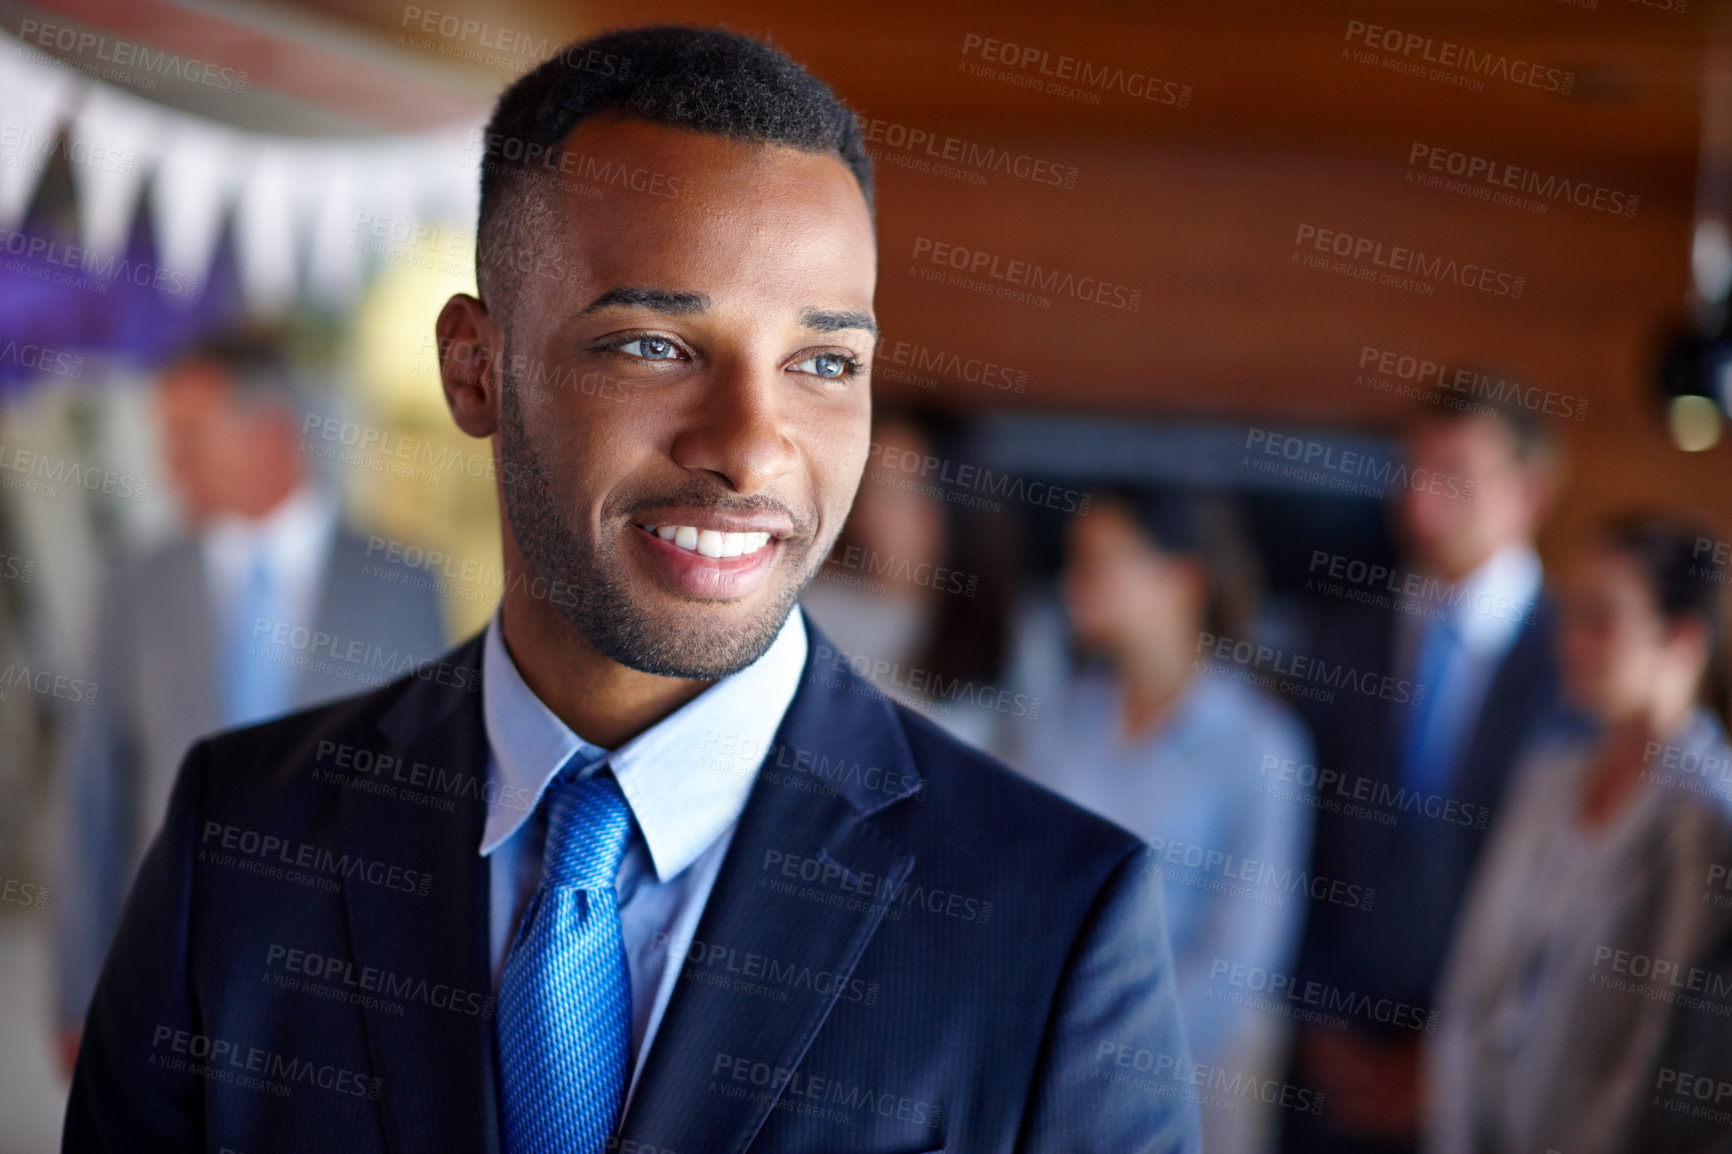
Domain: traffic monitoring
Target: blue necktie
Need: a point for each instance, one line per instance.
(1429, 746)
(565, 996)
(255, 686)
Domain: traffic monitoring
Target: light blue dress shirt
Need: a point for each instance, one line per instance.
(686, 779)
(1486, 612)
(1203, 792)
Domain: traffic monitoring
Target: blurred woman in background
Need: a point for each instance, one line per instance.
(1592, 906)
(917, 590)
(1178, 756)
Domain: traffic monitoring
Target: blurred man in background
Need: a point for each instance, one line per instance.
(213, 630)
(1474, 643)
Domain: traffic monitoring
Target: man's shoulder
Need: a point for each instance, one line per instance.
(310, 749)
(294, 739)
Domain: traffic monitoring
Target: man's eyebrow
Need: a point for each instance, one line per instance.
(824, 321)
(673, 302)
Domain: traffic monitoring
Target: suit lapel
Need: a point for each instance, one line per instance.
(844, 872)
(436, 1064)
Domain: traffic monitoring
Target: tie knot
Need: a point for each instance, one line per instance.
(588, 822)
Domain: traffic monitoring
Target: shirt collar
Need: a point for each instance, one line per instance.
(1199, 713)
(291, 535)
(1487, 608)
(680, 806)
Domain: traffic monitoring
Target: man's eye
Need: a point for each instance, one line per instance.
(650, 348)
(830, 366)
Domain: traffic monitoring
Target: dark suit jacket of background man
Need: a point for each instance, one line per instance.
(1422, 865)
(1389, 957)
(936, 955)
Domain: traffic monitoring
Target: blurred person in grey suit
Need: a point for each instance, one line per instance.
(267, 605)
(1586, 999)
(23, 716)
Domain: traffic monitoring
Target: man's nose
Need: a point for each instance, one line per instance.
(739, 430)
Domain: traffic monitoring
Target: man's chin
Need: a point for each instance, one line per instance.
(692, 638)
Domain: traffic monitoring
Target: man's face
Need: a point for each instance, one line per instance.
(1455, 534)
(686, 409)
(220, 456)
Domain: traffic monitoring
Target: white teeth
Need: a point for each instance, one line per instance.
(711, 542)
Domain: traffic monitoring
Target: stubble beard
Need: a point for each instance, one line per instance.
(597, 600)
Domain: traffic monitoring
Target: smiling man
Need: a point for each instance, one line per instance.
(644, 866)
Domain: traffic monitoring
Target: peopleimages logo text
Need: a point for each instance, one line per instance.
(1449, 55)
(1105, 77)
(967, 153)
(140, 58)
(1401, 259)
(1472, 383)
(1026, 274)
(103, 269)
(1351, 463)
(1300, 668)
(1503, 175)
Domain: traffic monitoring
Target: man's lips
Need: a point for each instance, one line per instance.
(709, 564)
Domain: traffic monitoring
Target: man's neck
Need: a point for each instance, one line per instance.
(1151, 682)
(604, 702)
(267, 499)
(1465, 568)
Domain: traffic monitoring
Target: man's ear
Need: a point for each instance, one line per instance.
(471, 349)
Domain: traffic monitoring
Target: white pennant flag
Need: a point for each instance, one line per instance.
(33, 99)
(267, 219)
(111, 124)
(200, 171)
(334, 261)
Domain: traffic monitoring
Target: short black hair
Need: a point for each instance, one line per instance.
(1666, 549)
(256, 361)
(1532, 440)
(708, 80)
(1206, 527)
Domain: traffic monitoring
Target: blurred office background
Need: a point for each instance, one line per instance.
(1191, 178)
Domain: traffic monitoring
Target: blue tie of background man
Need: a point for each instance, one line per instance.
(258, 679)
(565, 995)
(1430, 744)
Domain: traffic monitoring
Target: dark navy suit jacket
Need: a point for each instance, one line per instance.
(1421, 866)
(908, 949)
